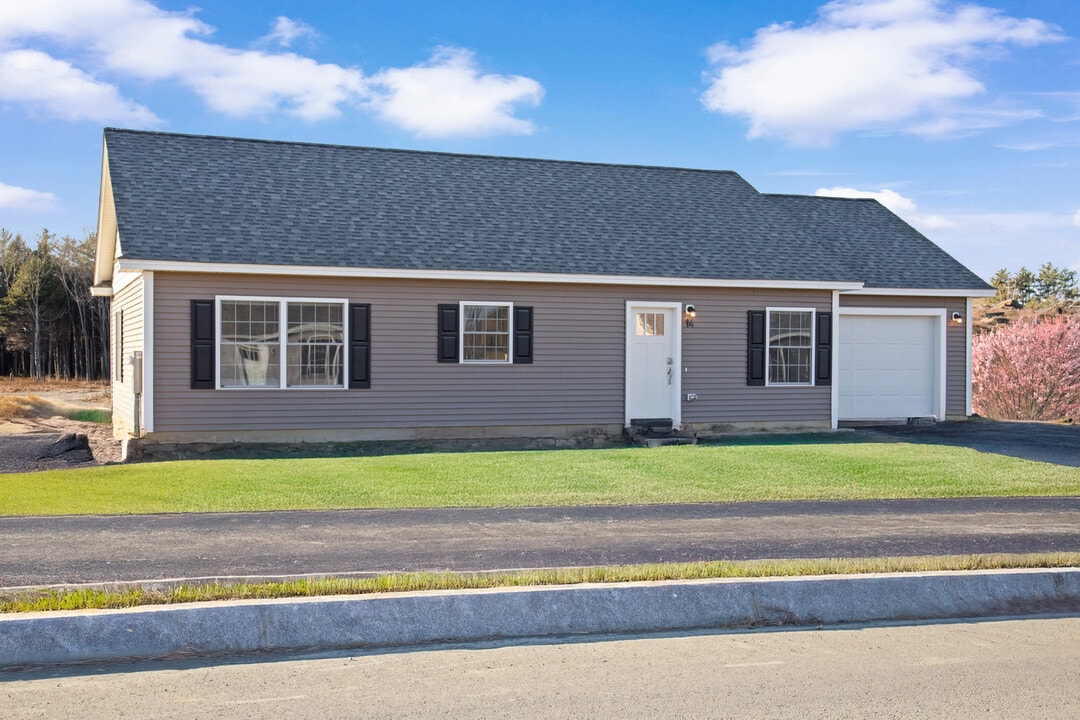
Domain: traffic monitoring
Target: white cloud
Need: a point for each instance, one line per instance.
(889, 198)
(285, 31)
(57, 89)
(19, 198)
(867, 64)
(985, 241)
(448, 96)
(135, 39)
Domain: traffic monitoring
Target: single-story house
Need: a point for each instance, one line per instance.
(285, 292)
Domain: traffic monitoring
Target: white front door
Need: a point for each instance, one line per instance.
(653, 371)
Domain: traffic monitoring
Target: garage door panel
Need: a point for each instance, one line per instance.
(888, 367)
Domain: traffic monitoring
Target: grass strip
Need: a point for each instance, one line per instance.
(31, 406)
(103, 417)
(807, 470)
(93, 599)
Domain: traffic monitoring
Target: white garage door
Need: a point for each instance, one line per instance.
(889, 367)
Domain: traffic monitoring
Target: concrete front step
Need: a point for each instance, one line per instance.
(664, 441)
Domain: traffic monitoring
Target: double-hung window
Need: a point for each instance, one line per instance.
(790, 333)
(281, 343)
(486, 335)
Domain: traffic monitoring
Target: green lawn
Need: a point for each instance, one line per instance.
(749, 471)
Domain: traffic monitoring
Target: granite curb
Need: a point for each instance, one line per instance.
(415, 619)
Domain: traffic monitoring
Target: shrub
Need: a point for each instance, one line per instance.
(1028, 371)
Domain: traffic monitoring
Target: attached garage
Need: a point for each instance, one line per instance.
(891, 364)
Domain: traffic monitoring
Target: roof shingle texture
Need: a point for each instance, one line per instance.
(225, 200)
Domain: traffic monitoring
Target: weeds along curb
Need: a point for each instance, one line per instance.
(411, 619)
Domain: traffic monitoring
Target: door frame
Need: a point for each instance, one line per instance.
(940, 338)
(676, 310)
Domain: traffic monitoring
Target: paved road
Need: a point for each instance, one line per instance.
(71, 550)
(1020, 668)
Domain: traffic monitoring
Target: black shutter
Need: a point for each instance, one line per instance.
(448, 333)
(202, 344)
(359, 345)
(755, 348)
(523, 335)
(823, 350)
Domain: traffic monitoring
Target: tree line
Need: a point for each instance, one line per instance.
(1051, 286)
(50, 325)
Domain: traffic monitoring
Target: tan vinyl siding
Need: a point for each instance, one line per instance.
(576, 376)
(956, 358)
(130, 300)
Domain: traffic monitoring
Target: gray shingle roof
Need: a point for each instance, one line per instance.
(227, 200)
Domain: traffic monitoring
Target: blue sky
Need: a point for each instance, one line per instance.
(964, 118)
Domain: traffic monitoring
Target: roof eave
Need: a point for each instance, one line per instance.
(925, 292)
(135, 264)
(105, 252)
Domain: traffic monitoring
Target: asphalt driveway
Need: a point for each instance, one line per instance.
(1045, 442)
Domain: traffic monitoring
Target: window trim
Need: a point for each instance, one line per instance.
(509, 331)
(118, 346)
(768, 345)
(283, 341)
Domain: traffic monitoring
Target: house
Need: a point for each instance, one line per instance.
(278, 291)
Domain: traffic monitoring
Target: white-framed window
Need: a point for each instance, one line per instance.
(269, 342)
(789, 333)
(486, 332)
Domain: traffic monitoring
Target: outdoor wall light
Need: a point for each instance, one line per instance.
(689, 314)
(957, 318)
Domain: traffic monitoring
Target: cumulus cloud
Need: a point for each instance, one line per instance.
(134, 39)
(448, 96)
(57, 89)
(867, 64)
(19, 198)
(284, 31)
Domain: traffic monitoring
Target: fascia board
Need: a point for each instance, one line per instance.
(925, 292)
(477, 275)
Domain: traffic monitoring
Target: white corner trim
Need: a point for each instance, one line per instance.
(922, 292)
(148, 353)
(967, 370)
(834, 401)
(475, 275)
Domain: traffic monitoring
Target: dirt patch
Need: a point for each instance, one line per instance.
(27, 439)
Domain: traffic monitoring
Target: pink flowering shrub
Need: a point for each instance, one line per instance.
(1028, 371)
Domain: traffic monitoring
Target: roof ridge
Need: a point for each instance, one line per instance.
(413, 151)
(819, 197)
